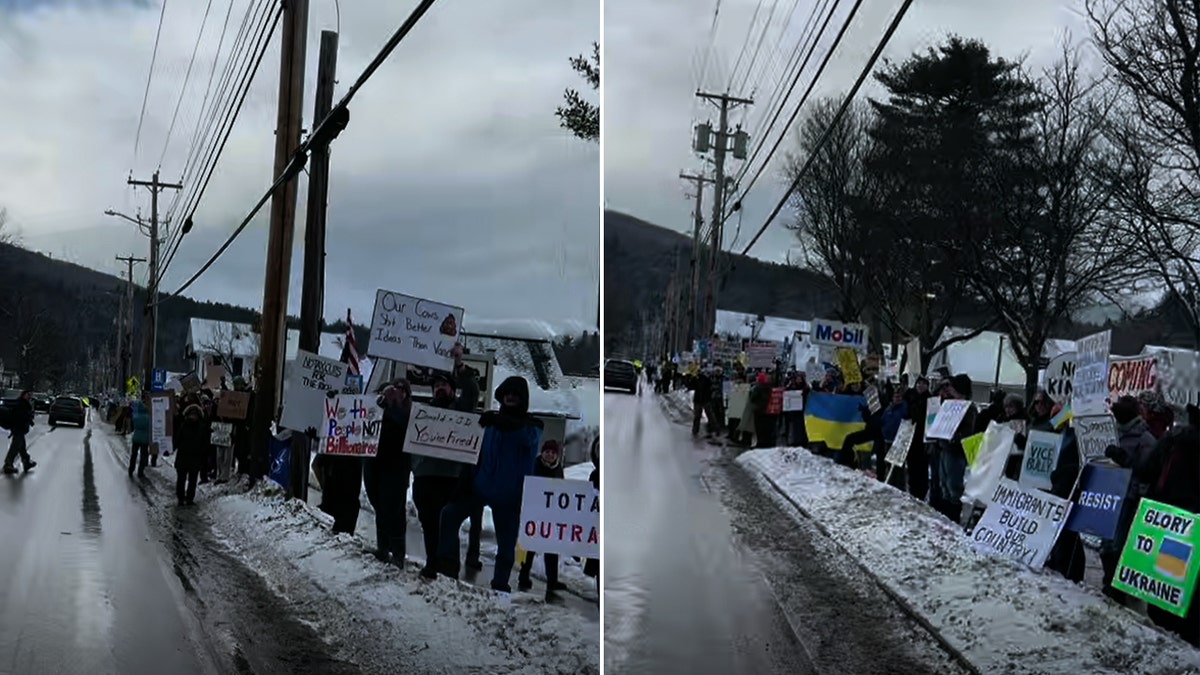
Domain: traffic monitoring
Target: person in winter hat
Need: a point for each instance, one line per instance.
(1134, 449)
(1158, 415)
(549, 465)
(139, 454)
(511, 440)
(385, 476)
(20, 421)
(436, 481)
(192, 435)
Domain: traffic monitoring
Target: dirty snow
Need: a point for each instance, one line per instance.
(1002, 616)
(386, 620)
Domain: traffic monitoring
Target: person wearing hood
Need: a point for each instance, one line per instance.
(952, 459)
(192, 436)
(139, 454)
(764, 423)
(994, 412)
(511, 441)
(20, 422)
(916, 465)
(549, 465)
(701, 397)
(385, 476)
(1134, 450)
(435, 481)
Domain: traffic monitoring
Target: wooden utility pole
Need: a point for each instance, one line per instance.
(293, 49)
(150, 337)
(312, 293)
(720, 147)
(125, 321)
(693, 330)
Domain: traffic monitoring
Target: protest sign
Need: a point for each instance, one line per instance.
(235, 405)
(839, 334)
(1041, 456)
(762, 354)
(949, 416)
(351, 426)
(1159, 563)
(214, 374)
(1021, 523)
(739, 396)
(1179, 377)
(310, 381)
(932, 406)
(724, 351)
(872, 395)
(990, 462)
(560, 516)
(1130, 376)
(443, 433)
(222, 434)
(1059, 374)
(414, 330)
(190, 383)
(971, 446)
(1101, 500)
(1094, 434)
(775, 402)
(162, 422)
(1089, 386)
(897, 455)
(793, 401)
(847, 360)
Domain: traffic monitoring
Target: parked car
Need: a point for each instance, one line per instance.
(68, 409)
(42, 402)
(620, 374)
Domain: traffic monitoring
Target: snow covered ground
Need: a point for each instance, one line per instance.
(999, 615)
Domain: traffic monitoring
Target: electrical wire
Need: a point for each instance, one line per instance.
(712, 34)
(187, 76)
(758, 47)
(745, 44)
(887, 36)
(149, 76)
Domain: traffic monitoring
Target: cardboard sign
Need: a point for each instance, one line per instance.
(762, 354)
(932, 406)
(443, 433)
(190, 383)
(847, 360)
(872, 395)
(739, 398)
(235, 405)
(775, 402)
(1089, 386)
(1131, 376)
(839, 334)
(560, 516)
(1094, 435)
(311, 378)
(351, 426)
(413, 330)
(1041, 456)
(222, 434)
(1021, 523)
(1159, 563)
(949, 416)
(214, 374)
(1097, 510)
(793, 401)
(897, 455)
(1059, 374)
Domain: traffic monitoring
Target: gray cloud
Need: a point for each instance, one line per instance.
(655, 50)
(453, 180)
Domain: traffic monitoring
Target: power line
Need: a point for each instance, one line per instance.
(153, 57)
(758, 48)
(887, 36)
(186, 77)
(712, 34)
(745, 44)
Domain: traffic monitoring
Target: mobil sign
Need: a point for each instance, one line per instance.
(839, 334)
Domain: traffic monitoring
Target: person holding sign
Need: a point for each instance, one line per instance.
(511, 441)
(549, 465)
(436, 481)
(952, 459)
(385, 476)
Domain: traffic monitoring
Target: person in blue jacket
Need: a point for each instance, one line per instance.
(512, 439)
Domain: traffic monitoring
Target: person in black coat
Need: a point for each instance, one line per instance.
(191, 440)
(386, 475)
(549, 465)
(20, 421)
(701, 397)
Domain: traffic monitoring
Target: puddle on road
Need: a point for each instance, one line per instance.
(91, 499)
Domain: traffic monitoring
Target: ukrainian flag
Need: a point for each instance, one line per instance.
(829, 418)
(1173, 558)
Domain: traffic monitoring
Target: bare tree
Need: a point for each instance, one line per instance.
(227, 342)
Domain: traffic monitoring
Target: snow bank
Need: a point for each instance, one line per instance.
(1001, 616)
(387, 620)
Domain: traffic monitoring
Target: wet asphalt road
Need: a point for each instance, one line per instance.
(704, 573)
(103, 573)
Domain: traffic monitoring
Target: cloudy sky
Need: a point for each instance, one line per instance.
(452, 182)
(656, 52)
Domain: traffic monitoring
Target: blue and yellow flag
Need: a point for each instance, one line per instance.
(829, 418)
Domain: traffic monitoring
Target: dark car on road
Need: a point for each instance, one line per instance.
(68, 409)
(42, 402)
(620, 374)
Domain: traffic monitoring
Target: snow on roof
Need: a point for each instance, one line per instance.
(534, 360)
(543, 401)
(209, 336)
(526, 329)
(772, 328)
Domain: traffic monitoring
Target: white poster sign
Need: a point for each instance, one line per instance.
(932, 406)
(988, 468)
(1059, 375)
(560, 516)
(351, 426)
(413, 330)
(222, 434)
(793, 401)
(1089, 387)
(1094, 434)
(444, 433)
(1041, 456)
(950, 415)
(1021, 523)
(1179, 377)
(897, 455)
(872, 394)
(160, 407)
(311, 379)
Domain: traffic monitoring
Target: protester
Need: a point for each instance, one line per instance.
(20, 422)
(889, 423)
(385, 476)
(436, 482)
(192, 434)
(715, 410)
(1135, 446)
(466, 382)
(1067, 555)
(208, 469)
(764, 424)
(511, 440)
(140, 442)
(549, 465)
(952, 459)
(1153, 408)
(701, 387)
(797, 434)
(916, 465)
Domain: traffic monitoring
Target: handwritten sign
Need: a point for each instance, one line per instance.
(1094, 434)
(1131, 376)
(775, 402)
(1041, 456)
(793, 401)
(762, 354)
(413, 330)
(222, 434)
(1021, 523)
(351, 426)
(190, 383)
(1159, 563)
(848, 361)
(949, 417)
(872, 394)
(1089, 386)
(560, 516)
(1059, 374)
(234, 405)
(443, 433)
(310, 381)
(1179, 377)
(897, 455)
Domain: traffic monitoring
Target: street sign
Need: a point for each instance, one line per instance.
(159, 381)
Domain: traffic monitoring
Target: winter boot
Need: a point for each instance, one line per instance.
(448, 567)
(29, 465)
(523, 581)
(475, 564)
(10, 469)
(551, 596)
(430, 570)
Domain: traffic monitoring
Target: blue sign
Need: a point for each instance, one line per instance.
(159, 380)
(1101, 501)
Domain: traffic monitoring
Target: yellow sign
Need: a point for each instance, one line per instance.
(848, 361)
(133, 386)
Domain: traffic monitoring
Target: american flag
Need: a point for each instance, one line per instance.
(350, 347)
